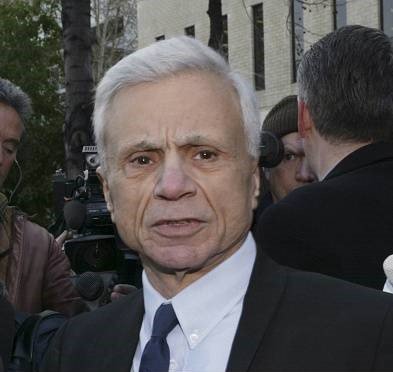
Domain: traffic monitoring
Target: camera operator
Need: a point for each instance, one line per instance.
(35, 271)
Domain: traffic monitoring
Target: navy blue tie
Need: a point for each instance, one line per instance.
(155, 356)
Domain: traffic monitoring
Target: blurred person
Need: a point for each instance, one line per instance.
(341, 226)
(178, 135)
(35, 271)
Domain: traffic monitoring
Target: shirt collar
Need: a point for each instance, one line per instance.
(203, 304)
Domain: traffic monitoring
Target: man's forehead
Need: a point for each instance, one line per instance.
(143, 117)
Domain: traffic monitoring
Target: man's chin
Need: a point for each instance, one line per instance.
(172, 263)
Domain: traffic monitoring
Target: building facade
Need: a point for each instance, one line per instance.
(265, 39)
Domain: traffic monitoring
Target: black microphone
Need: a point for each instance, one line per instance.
(95, 289)
(272, 150)
(74, 214)
(90, 286)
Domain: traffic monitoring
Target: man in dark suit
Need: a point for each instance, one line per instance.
(343, 225)
(177, 132)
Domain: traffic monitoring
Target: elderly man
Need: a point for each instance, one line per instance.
(178, 134)
(341, 226)
(35, 271)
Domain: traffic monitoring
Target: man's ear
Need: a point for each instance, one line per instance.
(256, 179)
(304, 121)
(105, 189)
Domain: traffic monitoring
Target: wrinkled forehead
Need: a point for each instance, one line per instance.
(188, 107)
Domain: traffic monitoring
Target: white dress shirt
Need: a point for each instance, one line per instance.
(208, 311)
(388, 287)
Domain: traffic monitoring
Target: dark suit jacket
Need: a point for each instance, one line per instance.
(291, 321)
(342, 226)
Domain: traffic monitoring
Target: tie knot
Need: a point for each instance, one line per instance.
(164, 321)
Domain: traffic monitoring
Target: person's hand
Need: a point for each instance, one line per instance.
(121, 290)
(63, 237)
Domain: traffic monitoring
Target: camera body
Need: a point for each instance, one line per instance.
(95, 245)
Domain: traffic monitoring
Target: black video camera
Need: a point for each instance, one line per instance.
(95, 245)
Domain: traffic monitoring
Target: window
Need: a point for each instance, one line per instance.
(259, 53)
(339, 13)
(225, 36)
(190, 31)
(161, 37)
(297, 34)
(386, 10)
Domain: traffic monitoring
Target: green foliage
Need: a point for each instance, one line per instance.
(30, 44)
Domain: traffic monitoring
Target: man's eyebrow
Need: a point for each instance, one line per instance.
(13, 141)
(197, 140)
(143, 145)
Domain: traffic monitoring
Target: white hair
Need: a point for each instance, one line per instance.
(168, 58)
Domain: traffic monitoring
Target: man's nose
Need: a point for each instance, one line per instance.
(303, 172)
(174, 183)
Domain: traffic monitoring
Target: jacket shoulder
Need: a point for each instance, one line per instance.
(323, 288)
(30, 232)
(327, 324)
(102, 340)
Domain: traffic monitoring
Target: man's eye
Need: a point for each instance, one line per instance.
(10, 150)
(206, 155)
(289, 156)
(141, 160)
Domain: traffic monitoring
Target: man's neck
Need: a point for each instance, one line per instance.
(327, 155)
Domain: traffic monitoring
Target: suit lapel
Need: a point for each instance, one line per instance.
(266, 286)
(124, 335)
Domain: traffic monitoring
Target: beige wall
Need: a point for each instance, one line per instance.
(170, 17)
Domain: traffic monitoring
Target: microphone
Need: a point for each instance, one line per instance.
(90, 286)
(388, 269)
(95, 289)
(74, 214)
(272, 150)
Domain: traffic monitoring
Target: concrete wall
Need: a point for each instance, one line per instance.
(170, 17)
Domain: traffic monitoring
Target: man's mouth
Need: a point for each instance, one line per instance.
(178, 227)
(176, 222)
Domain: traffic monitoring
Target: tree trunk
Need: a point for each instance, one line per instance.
(78, 82)
(216, 27)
